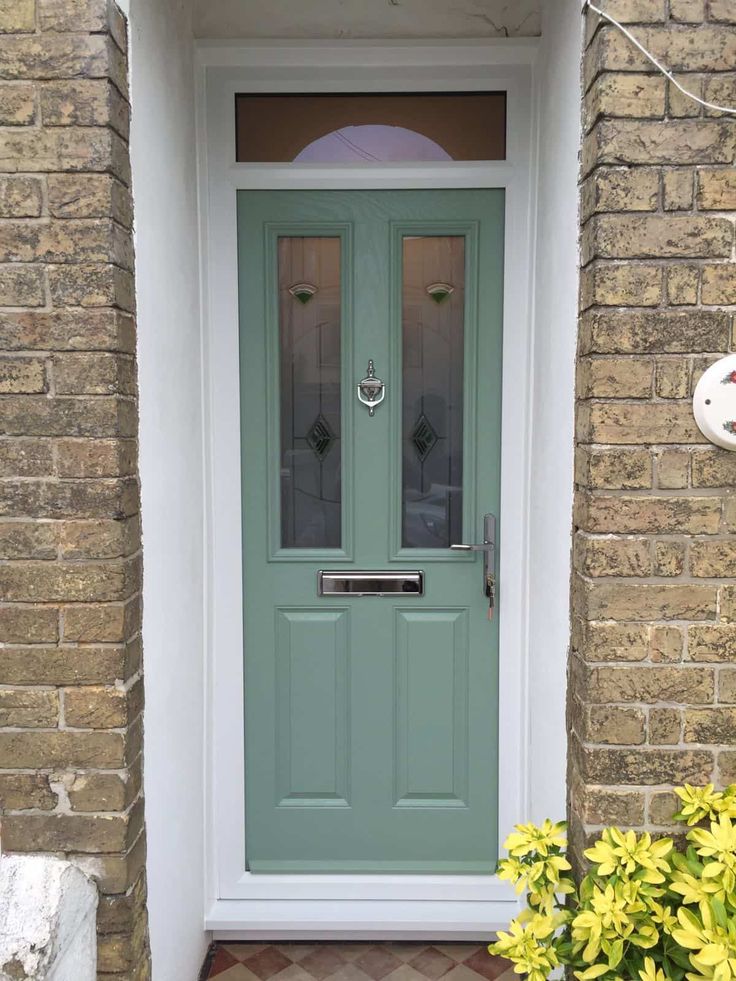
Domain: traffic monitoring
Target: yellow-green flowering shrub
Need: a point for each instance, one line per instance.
(644, 911)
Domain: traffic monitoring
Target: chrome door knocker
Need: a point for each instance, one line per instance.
(371, 391)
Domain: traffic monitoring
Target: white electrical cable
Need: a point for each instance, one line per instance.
(691, 95)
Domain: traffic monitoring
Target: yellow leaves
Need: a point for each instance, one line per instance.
(626, 854)
(533, 838)
(651, 972)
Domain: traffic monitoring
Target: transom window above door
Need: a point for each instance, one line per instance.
(370, 128)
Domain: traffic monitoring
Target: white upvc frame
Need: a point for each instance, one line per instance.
(239, 904)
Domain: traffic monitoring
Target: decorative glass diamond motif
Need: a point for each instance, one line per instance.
(423, 437)
(320, 437)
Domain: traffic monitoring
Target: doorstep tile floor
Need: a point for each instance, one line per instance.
(358, 961)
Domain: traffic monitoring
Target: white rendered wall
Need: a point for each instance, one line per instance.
(557, 89)
(169, 364)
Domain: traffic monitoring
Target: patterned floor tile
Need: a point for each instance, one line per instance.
(357, 961)
(266, 963)
(377, 962)
(324, 960)
(432, 963)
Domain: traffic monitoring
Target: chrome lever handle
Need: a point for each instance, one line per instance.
(488, 548)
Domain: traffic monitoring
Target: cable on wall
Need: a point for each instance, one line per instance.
(660, 67)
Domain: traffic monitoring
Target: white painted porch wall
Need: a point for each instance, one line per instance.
(557, 91)
(171, 465)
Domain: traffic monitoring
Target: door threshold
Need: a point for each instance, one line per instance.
(249, 919)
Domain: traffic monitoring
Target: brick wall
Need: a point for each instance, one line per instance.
(653, 668)
(70, 652)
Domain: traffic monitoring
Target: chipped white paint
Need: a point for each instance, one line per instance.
(48, 911)
(361, 19)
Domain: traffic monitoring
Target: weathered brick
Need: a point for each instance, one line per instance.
(613, 468)
(93, 791)
(719, 284)
(61, 833)
(607, 284)
(68, 330)
(687, 11)
(722, 10)
(620, 189)
(613, 556)
(666, 644)
(28, 540)
(89, 196)
(96, 623)
(677, 189)
(617, 95)
(614, 726)
(66, 149)
(664, 726)
(673, 467)
(599, 805)
(638, 422)
(39, 665)
(727, 767)
(99, 539)
(79, 241)
(647, 684)
(74, 56)
(716, 190)
(713, 468)
(632, 11)
(30, 750)
(25, 457)
(28, 708)
(94, 374)
(712, 725)
(604, 641)
(17, 104)
(727, 686)
(22, 375)
(72, 499)
(85, 102)
(662, 809)
(615, 378)
(707, 48)
(672, 379)
(642, 766)
(60, 416)
(682, 284)
(92, 285)
(721, 91)
(661, 332)
(685, 142)
(17, 16)
(647, 601)
(22, 286)
(713, 559)
(96, 457)
(73, 16)
(27, 625)
(68, 582)
(715, 642)
(649, 236)
(102, 708)
(20, 197)
(26, 792)
(681, 106)
(652, 515)
(669, 558)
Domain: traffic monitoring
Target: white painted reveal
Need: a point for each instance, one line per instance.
(366, 18)
(169, 365)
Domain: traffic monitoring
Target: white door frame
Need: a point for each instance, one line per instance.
(239, 904)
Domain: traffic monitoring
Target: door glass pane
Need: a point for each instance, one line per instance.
(309, 329)
(386, 126)
(433, 315)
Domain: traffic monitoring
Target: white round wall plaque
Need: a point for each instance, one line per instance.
(714, 403)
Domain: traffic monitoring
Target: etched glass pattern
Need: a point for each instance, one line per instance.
(309, 332)
(433, 355)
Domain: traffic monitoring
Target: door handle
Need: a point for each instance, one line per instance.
(488, 548)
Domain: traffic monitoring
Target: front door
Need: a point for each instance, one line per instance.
(370, 700)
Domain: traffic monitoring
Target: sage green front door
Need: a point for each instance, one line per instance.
(371, 720)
